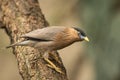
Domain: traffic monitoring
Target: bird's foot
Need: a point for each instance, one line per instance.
(53, 66)
(55, 57)
(50, 63)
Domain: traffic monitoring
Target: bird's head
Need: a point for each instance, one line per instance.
(82, 35)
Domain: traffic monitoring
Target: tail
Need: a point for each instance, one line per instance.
(12, 45)
(22, 43)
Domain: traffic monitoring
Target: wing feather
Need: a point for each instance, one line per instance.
(47, 33)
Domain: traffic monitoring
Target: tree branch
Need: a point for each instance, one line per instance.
(20, 17)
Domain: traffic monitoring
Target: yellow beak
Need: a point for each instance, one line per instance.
(86, 39)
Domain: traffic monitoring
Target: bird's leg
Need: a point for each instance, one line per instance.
(55, 57)
(50, 63)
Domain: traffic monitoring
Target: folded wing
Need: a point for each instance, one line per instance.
(44, 34)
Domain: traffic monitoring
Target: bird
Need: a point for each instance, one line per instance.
(52, 38)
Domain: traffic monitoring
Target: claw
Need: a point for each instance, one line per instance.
(53, 66)
(56, 58)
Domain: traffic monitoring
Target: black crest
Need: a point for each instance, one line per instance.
(79, 30)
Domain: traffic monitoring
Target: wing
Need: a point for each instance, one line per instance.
(44, 34)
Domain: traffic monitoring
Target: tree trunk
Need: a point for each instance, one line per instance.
(19, 17)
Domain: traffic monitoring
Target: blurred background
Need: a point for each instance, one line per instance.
(98, 59)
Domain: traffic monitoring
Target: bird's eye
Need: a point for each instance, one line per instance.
(83, 34)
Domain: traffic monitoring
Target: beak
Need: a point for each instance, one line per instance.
(86, 39)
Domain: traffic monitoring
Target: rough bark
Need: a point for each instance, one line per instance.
(22, 16)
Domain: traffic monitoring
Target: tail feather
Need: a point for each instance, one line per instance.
(22, 43)
(12, 45)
